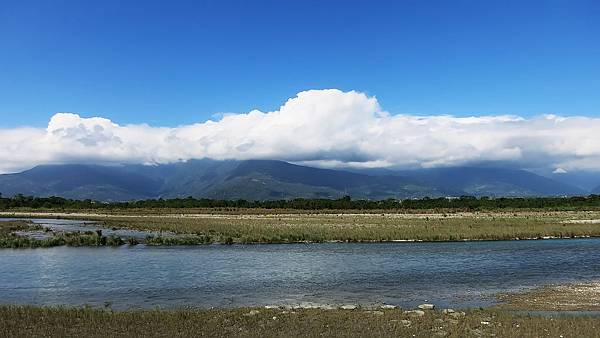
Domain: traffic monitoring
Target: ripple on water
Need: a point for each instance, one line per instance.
(460, 274)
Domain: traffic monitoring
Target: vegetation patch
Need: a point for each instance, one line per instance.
(16, 321)
(356, 227)
(9, 239)
(9, 227)
(179, 240)
(241, 227)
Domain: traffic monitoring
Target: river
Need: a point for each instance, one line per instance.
(450, 274)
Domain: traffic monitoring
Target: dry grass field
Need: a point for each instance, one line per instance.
(283, 226)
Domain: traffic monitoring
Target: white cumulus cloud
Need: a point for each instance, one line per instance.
(323, 127)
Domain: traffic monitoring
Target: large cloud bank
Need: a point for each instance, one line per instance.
(323, 127)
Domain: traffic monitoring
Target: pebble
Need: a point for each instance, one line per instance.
(327, 307)
(426, 306)
(348, 307)
(405, 322)
(388, 307)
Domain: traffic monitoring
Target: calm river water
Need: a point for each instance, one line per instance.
(457, 274)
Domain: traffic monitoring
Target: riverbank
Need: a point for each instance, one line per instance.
(565, 297)
(259, 322)
(281, 227)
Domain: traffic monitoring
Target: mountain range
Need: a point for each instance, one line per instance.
(269, 180)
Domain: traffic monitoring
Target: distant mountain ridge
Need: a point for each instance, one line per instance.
(494, 182)
(268, 180)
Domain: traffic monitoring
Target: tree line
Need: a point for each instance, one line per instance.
(345, 203)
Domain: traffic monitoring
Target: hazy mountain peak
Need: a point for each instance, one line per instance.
(269, 179)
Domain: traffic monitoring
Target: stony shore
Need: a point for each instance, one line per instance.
(564, 297)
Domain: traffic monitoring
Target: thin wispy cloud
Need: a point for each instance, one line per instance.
(322, 127)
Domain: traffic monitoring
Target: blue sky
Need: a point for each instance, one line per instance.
(169, 63)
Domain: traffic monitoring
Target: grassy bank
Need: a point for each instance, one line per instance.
(237, 226)
(68, 239)
(287, 228)
(63, 322)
